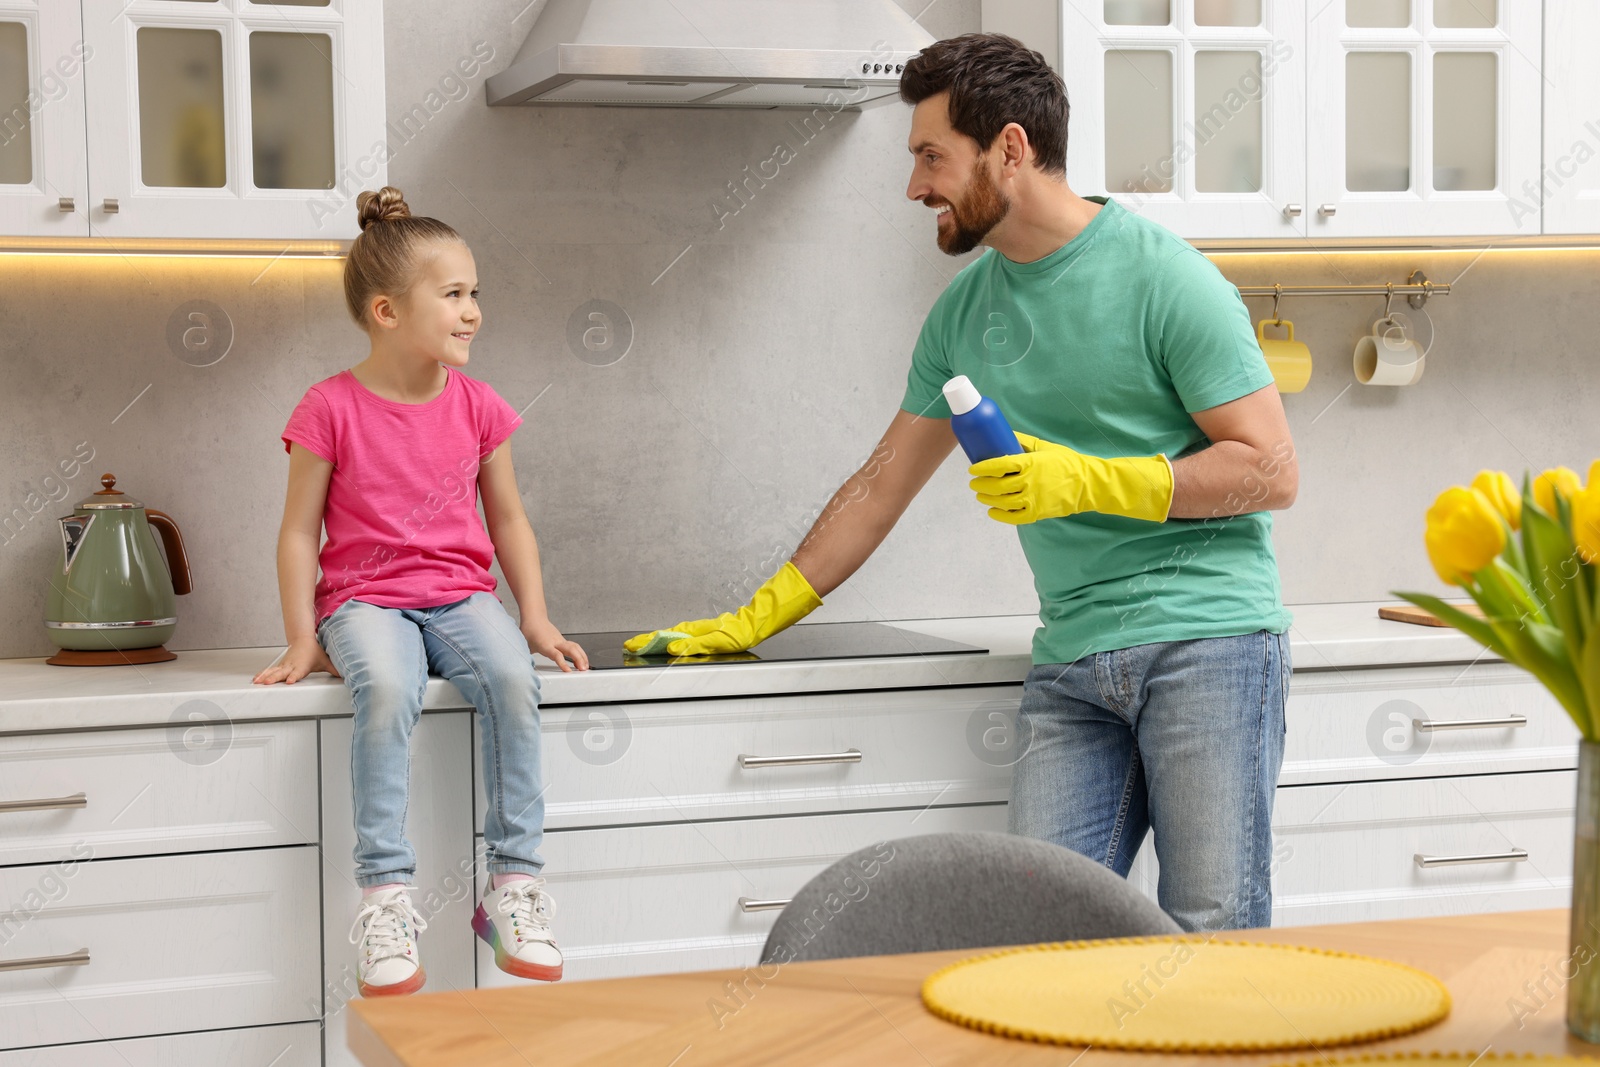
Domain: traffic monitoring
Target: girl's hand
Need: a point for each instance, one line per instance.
(301, 658)
(546, 640)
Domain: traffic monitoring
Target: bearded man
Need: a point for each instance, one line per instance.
(1154, 446)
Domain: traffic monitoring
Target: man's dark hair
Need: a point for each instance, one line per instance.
(994, 80)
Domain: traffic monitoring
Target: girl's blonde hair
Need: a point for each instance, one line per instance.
(385, 256)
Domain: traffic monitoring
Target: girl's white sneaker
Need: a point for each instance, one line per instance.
(388, 964)
(514, 920)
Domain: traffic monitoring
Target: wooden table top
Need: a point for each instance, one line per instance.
(1505, 973)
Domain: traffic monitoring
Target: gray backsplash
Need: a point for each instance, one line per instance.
(769, 350)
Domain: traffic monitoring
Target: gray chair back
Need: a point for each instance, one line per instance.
(958, 890)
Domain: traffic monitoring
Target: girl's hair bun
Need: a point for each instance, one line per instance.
(384, 205)
(384, 258)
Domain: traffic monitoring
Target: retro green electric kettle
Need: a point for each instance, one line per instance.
(110, 601)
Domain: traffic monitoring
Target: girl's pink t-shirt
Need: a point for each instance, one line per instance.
(402, 509)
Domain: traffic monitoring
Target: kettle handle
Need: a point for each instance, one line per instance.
(177, 558)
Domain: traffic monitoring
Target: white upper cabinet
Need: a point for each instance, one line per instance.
(1317, 118)
(221, 118)
(1427, 114)
(1191, 112)
(1570, 183)
(43, 188)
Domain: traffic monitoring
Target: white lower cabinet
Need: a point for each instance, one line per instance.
(1438, 846)
(440, 829)
(294, 1045)
(203, 783)
(134, 947)
(1414, 722)
(677, 760)
(655, 899)
(1411, 848)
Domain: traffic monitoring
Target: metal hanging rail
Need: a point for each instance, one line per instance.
(1417, 288)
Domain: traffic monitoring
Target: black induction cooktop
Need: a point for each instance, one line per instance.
(817, 640)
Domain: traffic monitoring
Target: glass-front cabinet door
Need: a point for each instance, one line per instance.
(1570, 183)
(43, 189)
(1190, 112)
(233, 118)
(1426, 116)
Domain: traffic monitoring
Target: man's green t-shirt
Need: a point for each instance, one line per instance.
(1106, 345)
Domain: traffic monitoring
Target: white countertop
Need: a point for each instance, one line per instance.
(35, 696)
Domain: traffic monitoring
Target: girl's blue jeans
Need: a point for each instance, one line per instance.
(385, 656)
(1182, 737)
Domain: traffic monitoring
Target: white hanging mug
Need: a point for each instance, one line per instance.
(1390, 354)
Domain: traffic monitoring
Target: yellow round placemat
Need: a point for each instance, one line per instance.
(1415, 1058)
(1176, 994)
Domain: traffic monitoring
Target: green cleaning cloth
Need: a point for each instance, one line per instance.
(658, 643)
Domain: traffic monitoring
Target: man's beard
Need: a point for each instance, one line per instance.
(981, 210)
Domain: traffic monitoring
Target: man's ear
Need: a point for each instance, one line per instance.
(1015, 151)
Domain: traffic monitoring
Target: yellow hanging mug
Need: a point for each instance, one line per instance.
(1288, 360)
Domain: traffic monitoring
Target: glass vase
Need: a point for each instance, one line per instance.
(1583, 991)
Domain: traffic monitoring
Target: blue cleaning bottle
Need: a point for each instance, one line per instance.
(979, 424)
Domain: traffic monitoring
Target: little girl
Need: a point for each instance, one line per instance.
(390, 456)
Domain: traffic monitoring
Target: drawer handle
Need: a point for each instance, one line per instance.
(849, 755)
(79, 958)
(1429, 725)
(1516, 855)
(748, 904)
(76, 800)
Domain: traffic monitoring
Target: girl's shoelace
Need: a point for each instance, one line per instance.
(529, 906)
(387, 932)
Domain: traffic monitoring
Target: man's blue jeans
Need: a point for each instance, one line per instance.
(1182, 737)
(385, 655)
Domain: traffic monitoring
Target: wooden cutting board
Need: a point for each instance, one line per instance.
(1421, 617)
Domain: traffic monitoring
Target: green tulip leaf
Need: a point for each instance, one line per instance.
(1474, 627)
(1556, 576)
(1508, 592)
(1541, 651)
(1530, 550)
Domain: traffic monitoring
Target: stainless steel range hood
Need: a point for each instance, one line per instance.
(712, 53)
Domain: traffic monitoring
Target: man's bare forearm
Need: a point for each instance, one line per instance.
(855, 522)
(869, 503)
(1233, 478)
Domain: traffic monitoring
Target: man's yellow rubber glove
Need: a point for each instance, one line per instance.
(1049, 481)
(784, 600)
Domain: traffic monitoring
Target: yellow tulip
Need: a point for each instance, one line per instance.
(1464, 534)
(1557, 479)
(1586, 522)
(1594, 473)
(1502, 494)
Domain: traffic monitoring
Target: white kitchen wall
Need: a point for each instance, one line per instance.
(769, 349)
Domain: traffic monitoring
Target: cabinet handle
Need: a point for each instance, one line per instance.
(1291, 211)
(1328, 210)
(849, 755)
(79, 958)
(749, 904)
(1429, 725)
(111, 206)
(1516, 855)
(76, 800)
(67, 205)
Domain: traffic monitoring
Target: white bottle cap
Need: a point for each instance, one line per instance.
(961, 394)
